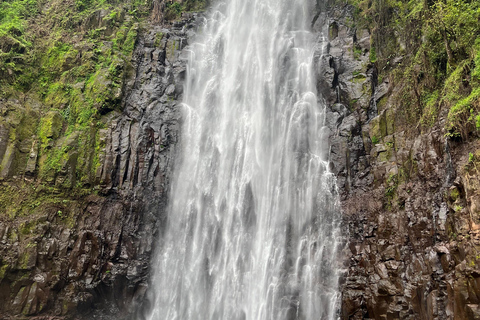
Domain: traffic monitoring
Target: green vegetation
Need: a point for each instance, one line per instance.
(174, 9)
(373, 55)
(14, 41)
(357, 52)
(391, 187)
(440, 43)
(73, 58)
(473, 161)
(430, 110)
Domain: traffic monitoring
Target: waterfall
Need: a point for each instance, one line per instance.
(253, 221)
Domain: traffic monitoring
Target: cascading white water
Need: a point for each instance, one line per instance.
(253, 223)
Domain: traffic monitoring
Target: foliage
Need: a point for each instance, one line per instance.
(440, 43)
(462, 115)
(72, 56)
(14, 40)
(174, 9)
(373, 55)
(430, 109)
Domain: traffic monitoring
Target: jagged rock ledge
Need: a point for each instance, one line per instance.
(409, 197)
(70, 252)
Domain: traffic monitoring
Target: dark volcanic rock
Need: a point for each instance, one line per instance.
(88, 256)
(409, 198)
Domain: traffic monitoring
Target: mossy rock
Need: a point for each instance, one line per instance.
(390, 121)
(454, 194)
(7, 160)
(378, 127)
(104, 89)
(50, 128)
(173, 45)
(383, 156)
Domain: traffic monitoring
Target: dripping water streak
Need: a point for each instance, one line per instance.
(253, 223)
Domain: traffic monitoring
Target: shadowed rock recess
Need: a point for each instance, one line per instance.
(76, 242)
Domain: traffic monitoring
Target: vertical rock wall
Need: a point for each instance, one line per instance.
(84, 251)
(409, 196)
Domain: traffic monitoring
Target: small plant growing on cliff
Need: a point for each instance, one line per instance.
(471, 157)
(158, 39)
(393, 181)
(357, 52)
(173, 11)
(472, 161)
(375, 140)
(373, 55)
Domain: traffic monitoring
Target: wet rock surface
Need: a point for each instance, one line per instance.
(85, 253)
(410, 201)
(409, 198)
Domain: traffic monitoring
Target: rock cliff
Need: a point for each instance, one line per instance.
(82, 249)
(409, 194)
(80, 208)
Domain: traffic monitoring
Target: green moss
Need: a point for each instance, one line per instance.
(26, 227)
(102, 91)
(430, 109)
(119, 38)
(378, 127)
(130, 40)
(454, 194)
(23, 261)
(14, 40)
(373, 54)
(100, 145)
(358, 77)
(50, 127)
(390, 115)
(462, 116)
(59, 58)
(75, 65)
(452, 92)
(382, 103)
(3, 271)
(57, 95)
(158, 39)
(56, 158)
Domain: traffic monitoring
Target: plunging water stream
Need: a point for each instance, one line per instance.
(253, 222)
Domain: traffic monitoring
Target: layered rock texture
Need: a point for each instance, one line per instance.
(76, 241)
(80, 208)
(409, 192)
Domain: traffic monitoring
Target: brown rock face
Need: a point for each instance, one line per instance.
(84, 252)
(410, 199)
